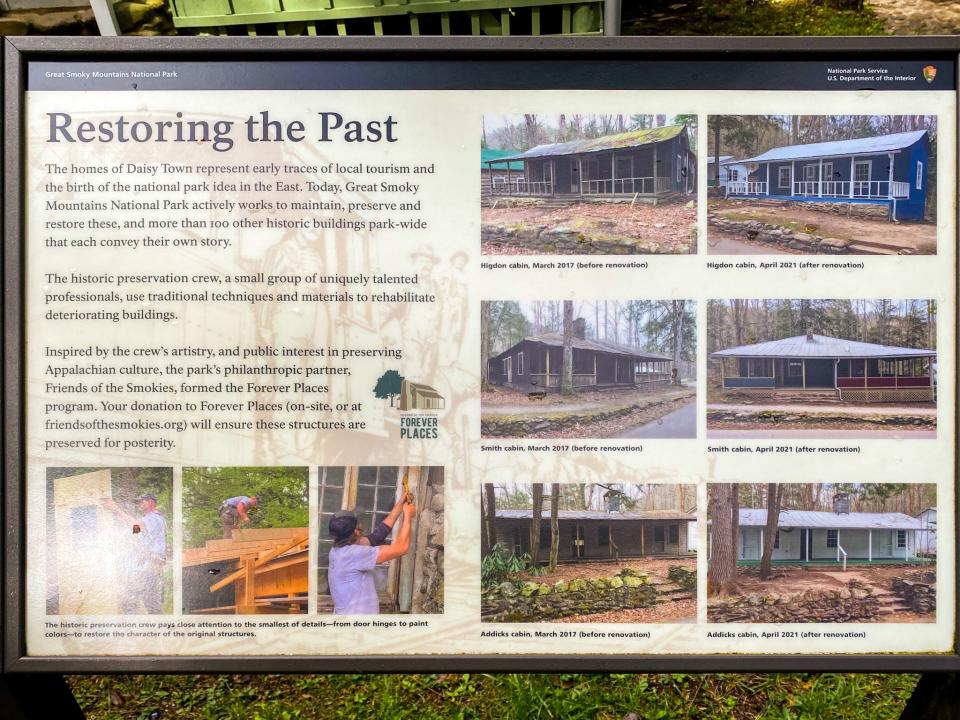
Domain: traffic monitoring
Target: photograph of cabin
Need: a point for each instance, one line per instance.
(826, 184)
(831, 552)
(109, 535)
(246, 540)
(626, 183)
(413, 582)
(856, 368)
(609, 368)
(620, 550)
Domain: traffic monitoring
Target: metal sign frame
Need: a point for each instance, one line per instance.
(19, 52)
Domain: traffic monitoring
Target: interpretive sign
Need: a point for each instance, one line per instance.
(463, 355)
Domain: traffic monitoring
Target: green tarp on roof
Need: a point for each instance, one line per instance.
(487, 154)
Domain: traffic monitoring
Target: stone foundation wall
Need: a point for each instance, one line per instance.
(863, 210)
(855, 603)
(428, 556)
(511, 427)
(781, 236)
(838, 417)
(565, 240)
(532, 601)
(921, 597)
(687, 579)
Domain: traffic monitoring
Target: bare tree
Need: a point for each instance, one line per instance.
(774, 498)
(484, 346)
(554, 525)
(566, 381)
(490, 514)
(678, 307)
(536, 490)
(722, 571)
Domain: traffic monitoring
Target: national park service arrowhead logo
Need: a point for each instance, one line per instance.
(929, 73)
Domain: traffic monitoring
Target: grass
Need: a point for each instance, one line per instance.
(505, 697)
(746, 17)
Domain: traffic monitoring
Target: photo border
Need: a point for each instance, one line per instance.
(20, 51)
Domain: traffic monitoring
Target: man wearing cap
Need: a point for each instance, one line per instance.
(233, 512)
(354, 556)
(147, 558)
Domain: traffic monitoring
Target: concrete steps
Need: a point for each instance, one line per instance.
(874, 247)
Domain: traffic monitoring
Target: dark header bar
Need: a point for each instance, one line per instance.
(480, 74)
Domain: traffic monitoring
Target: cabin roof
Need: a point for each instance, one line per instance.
(599, 515)
(634, 138)
(821, 346)
(723, 159)
(839, 148)
(488, 154)
(757, 517)
(556, 340)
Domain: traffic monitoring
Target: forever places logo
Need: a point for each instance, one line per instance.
(411, 399)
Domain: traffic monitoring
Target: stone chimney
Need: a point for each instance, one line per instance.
(841, 503)
(809, 334)
(580, 328)
(614, 500)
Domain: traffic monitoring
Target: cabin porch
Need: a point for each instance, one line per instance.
(894, 374)
(649, 171)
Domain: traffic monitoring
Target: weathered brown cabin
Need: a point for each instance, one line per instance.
(654, 162)
(536, 363)
(599, 535)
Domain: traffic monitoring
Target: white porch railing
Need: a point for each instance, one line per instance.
(627, 186)
(841, 551)
(746, 187)
(520, 186)
(860, 189)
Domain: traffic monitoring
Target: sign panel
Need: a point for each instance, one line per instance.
(367, 360)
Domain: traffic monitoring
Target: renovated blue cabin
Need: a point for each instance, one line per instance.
(886, 170)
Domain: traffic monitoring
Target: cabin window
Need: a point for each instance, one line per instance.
(776, 541)
(901, 538)
(919, 185)
(810, 173)
(794, 368)
(843, 368)
(679, 165)
(783, 177)
(506, 366)
(760, 367)
(732, 175)
(673, 535)
(603, 535)
(520, 364)
(827, 172)
(857, 368)
(861, 171)
(831, 538)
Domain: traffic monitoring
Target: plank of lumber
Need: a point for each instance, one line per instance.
(256, 564)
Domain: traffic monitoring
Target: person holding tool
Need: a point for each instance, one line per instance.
(233, 513)
(147, 558)
(354, 556)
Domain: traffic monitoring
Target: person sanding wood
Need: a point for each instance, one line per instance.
(354, 556)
